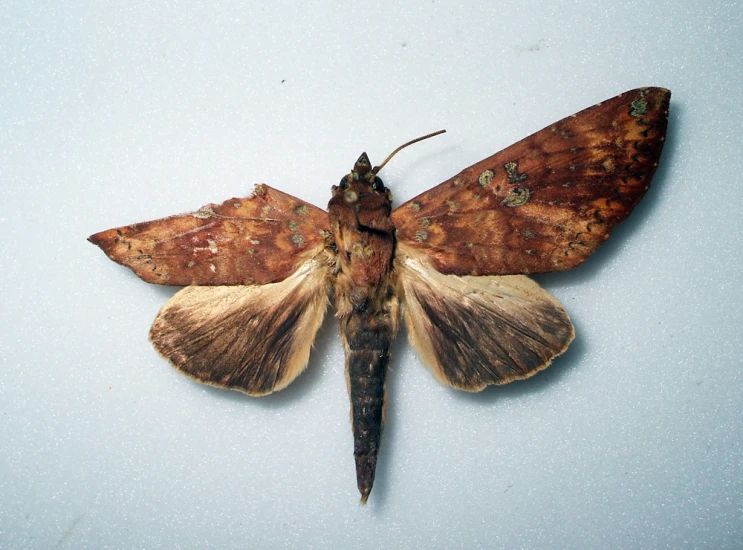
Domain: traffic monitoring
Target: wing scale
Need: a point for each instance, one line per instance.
(476, 331)
(253, 338)
(547, 202)
(255, 240)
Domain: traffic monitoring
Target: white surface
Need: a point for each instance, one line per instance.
(118, 112)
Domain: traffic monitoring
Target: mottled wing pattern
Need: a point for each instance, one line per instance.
(254, 338)
(255, 240)
(547, 202)
(477, 331)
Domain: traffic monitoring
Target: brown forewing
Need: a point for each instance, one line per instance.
(547, 202)
(255, 240)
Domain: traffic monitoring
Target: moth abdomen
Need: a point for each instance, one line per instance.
(367, 356)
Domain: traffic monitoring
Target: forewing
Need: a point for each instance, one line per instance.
(477, 331)
(255, 240)
(547, 202)
(255, 339)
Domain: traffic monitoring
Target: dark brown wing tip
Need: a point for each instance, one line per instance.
(105, 240)
(112, 243)
(660, 97)
(649, 89)
(96, 238)
(664, 93)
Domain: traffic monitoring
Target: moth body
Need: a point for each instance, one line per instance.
(366, 303)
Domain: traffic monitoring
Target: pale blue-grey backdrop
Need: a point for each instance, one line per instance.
(113, 113)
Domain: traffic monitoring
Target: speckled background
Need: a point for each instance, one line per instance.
(113, 113)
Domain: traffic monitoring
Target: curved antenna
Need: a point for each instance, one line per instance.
(393, 153)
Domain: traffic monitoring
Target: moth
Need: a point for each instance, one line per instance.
(452, 263)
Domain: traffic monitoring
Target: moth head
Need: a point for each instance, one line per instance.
(363, 185)
(360, 183)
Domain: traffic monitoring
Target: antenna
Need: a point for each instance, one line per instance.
(393, 153)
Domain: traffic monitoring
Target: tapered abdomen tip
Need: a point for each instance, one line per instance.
(365, 469)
